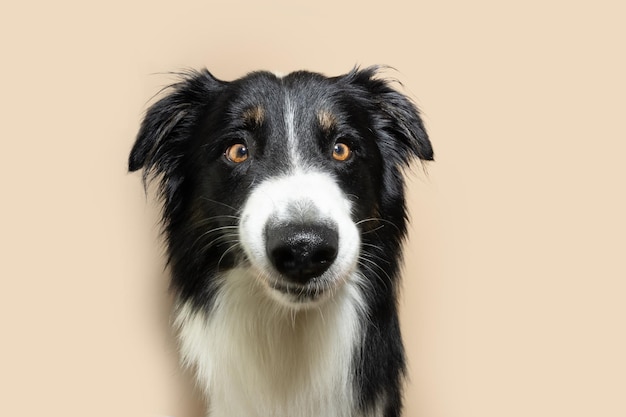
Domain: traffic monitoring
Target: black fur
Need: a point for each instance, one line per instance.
(182, 141)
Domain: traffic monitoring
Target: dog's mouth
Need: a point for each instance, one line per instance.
(311, 292)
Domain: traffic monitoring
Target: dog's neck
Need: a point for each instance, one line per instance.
(255, 356)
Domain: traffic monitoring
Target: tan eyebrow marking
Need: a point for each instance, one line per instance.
(327, 120)
(254, 115)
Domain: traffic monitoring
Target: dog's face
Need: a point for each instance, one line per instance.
(293, 178)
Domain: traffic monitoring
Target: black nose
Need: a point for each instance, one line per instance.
(302, 252)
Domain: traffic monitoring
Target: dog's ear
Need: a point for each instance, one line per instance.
(399, 117)
(169, 122)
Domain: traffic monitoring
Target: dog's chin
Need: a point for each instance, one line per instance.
(301, 297)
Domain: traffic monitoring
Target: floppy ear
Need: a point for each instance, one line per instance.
(168, 123)
(399, 117)
(165, 132)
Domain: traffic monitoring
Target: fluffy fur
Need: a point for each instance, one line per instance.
(284, 215)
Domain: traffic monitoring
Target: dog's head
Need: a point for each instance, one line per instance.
(296, 178)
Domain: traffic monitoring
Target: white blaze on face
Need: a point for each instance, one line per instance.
(290, 124)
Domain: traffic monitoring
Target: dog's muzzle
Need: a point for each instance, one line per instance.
(299, 238)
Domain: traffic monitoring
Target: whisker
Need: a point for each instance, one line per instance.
(364, 282)
(379, 220)
(374, 230)
(233, 239)
(367, 284)
(210, 219)
(224, 236)
(371, 245)
(225, 252)
(214, 230)
(219, 202)
(368, 258)
(373, 255)
(376, 274)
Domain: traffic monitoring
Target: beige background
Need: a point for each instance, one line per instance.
(514, 280)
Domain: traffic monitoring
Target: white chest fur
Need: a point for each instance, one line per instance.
(256, 358)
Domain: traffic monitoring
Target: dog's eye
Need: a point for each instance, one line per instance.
(341, 152)
(237, 153)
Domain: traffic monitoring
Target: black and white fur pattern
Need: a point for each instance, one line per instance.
(284, 214)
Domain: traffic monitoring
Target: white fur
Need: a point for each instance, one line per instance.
(303, 196)
(290, 125)
(257, 358)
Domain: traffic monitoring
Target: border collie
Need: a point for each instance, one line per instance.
(284, 215)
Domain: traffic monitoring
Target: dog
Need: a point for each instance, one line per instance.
(284, 216)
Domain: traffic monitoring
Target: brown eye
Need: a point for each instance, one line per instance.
(341, 152)
(237, 153)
